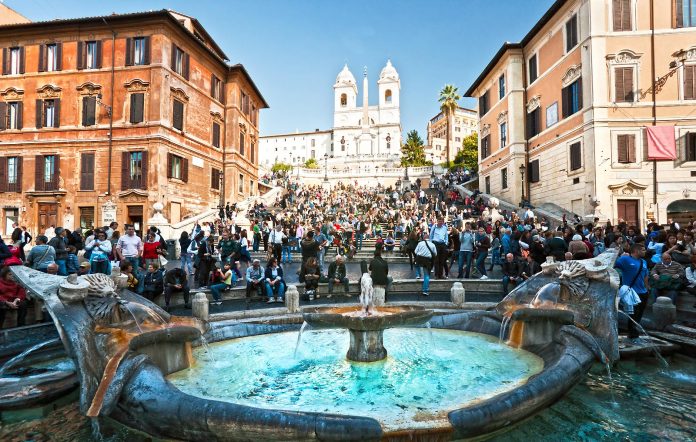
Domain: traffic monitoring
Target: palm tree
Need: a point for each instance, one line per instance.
(448, 105)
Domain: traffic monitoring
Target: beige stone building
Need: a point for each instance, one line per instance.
(102, 117)
(564, 114)
(464, 123)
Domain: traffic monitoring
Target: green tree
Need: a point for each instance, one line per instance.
(448, 99)
(468, 156)
(311, 164)
(413, 151)
(281, 167)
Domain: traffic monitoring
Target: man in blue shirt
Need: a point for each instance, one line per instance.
(634, 273)
(440, 237)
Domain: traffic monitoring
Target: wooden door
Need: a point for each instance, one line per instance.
(48, 216)
(628, 211)
(135, 217)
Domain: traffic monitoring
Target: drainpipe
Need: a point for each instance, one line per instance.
(525, 184)
(111, 107)
(654, 102)
(223, 135)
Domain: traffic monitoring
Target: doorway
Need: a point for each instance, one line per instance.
(11, 217)
(628, 211)
(48, 216)
(135, 217)
(682, 211)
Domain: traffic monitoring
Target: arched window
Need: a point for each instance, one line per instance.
(388, 96)
(344, 100)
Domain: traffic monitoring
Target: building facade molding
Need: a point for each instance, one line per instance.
(573, 73)
(533, 103)
(485, 130)
(12, 94)
(89, 88)
(625, 56)
(179, 94)
(628, 188)
(49, 91)
(137, 85)
(502, 117)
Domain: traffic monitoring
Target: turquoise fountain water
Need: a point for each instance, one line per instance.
(423, 378)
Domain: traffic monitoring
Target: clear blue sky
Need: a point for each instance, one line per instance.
(294, 49)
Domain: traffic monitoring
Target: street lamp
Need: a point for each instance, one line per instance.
(522, 167)
(432, 166)
(326, 168)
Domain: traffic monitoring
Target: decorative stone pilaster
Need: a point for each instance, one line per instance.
(379, 295)
(664, 312)
(292, 299)
(199, 306)
(457, 294)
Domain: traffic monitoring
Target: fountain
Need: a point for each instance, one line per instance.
(454, 380)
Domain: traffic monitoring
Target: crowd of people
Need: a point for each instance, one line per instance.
(438, 229)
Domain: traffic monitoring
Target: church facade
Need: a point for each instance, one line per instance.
(362, 136)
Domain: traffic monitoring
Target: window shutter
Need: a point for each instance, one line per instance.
(173, 59)
(87, 172)
(146, 47)
(3, 116)
(565, 101)
(99, 54)
(5, 61)
(628, 83)
(631, 148)
(125, 171)
(212, 85)
(38, 173)
(579, 81)
(22, 57)
(39, 114)
(59, 56)
(169, 165)
(575, 156)
(143, 168)
(20, 112)
(535, 171)
(81, 55)
(85, 111)
(216, 135)
(136, 109)
(622, 147)
(184, 170)
(186, 66)
(4, 185)
(18, 185)
(679, 8)
(42, 58)
(129, 51)
(56, 112)
(690, 82)
(178, 115)
(56, 172)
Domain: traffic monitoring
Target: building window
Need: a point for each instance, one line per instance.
(575, 156)
(483, 104)
(137, 108)
(180, 61)
(690, 154)
(503, 135)
(313, 142)
(49, 172)
(533, 74)
(457, 129)
(690, 82)
(216, 135)
(216, 88)
(11, 174)
(12, 170)
(51, 62)
(533, 171)
(87, 171)
(138, 51)
(89, 111)
(241, 183)
(626, 148)
(93, 55)
(501, 86)
(503, 178)
(623, 85)
(621, 11)
(685, 11)
(457, 139)
(241, 143)
(534, 122)
(571, 32)
(244, 103)
(344, 100)
(572, 98)
(488, 184)
(134, 170)
(485, 146)
(13, 61)
(178, 115)
(51, 109)
(11, 115)
(215, 176)
(388, 96)
(86, 217)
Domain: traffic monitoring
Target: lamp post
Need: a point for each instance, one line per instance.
(522, 167)
(432, 166)
(326, 168)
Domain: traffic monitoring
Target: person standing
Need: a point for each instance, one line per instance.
(440, 237)
(186, 256)
(60, 246)
(425, 254)
(276, 238)
(466, 250)
(482, 245)
(634, 273)
(130, 246)
(379, 271)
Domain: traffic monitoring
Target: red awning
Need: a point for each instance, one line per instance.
(661, 143)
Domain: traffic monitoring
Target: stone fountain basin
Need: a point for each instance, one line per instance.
(559, 316)
(350, 318)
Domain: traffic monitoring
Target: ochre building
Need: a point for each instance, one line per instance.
(565, 113)
(103, 117)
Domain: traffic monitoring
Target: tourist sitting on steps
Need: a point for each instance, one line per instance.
(254, 278)
(667, 277)
(153, 284)
(275, 285)
(337, 275)
(309, 274)
(512, 272)
(175, 283)
(217, 283)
